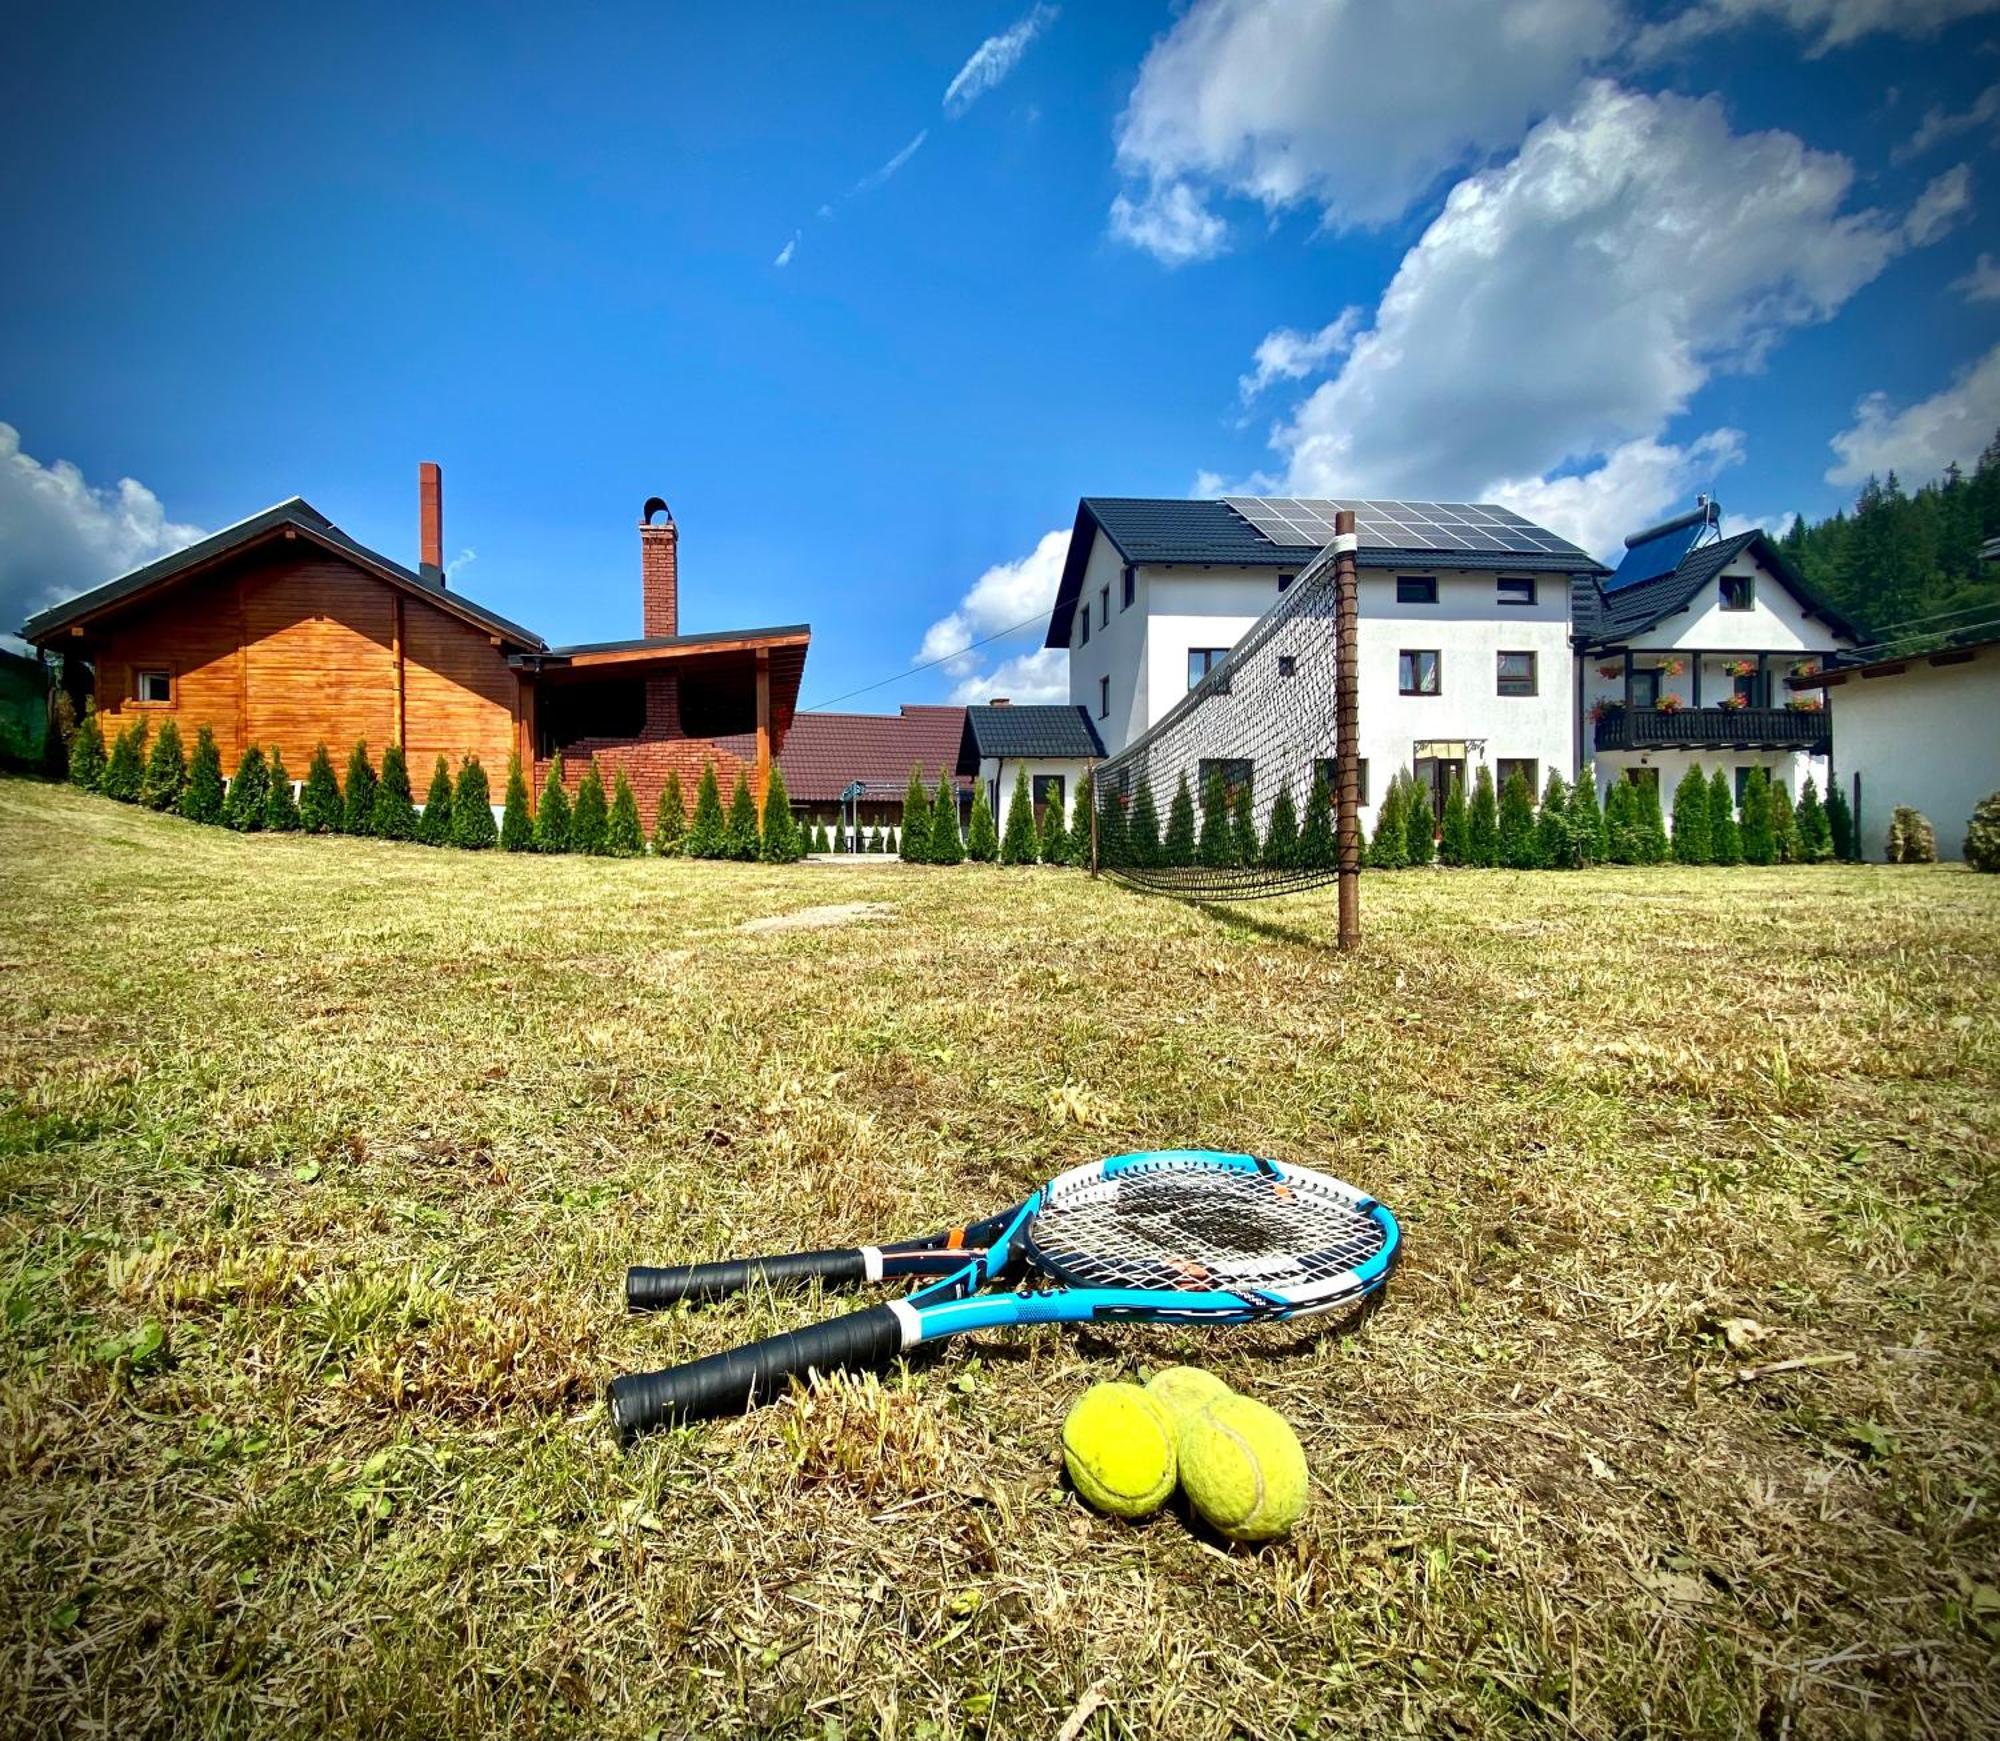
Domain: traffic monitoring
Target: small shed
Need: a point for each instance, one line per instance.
(1055, 743)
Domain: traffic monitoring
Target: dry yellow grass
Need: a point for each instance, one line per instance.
(321, 1162)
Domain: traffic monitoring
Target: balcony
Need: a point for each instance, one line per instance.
(1714, 728)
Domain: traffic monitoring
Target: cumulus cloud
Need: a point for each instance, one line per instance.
(1567, 305)
(1939, 125)
(1636, 484)
(1828, 24)
(1920, 440)
(994, 59)
(60, 534)
(1357, 106)
(1939, 207)
(1027, 678)
(1007, 596)
(1286, 354)
(1982, 283)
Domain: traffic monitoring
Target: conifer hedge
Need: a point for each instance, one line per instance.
(740, 832)
(1840, 823)
(281, 808)
(1083, 809)
(1552, 825)
(1518, 845)
(358, 792)
(1216, 846)
(590, 819)
(320, 807)
(166, 770)
(1691, 817)
(434, 826)
(781, 842)
(916, 820)
(1177, 850)
(670, 822)
(552, 815)
(705, 834)
(1454, 833)
(201, 797)
(472, 809)
(1760, 845)
(86, 752)
(1281, 833)
(1482, 824)
(1390, 849)
(1054, 842)
(1319, 848)
(1243, 843)
(1586, 820)
(1784, 825)
(394, 813)
(1725, 838)
(982, 839)
(1982, 834)
(1142, 834)
(623, 837)
(1815, 837)
(1419, 824)
(946, 844)
(125, 768)
(249, 793)
(517, 822)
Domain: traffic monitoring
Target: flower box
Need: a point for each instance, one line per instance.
(1671, 667)
(1614, 669)
(1733, 703)
(1668, 703)
(1805, 704)
(1740, 668)
(1604, 707)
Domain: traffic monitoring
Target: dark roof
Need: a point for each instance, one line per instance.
(1148, 529)
(1055, 732)
(1600, 618)
(823, 753)
(680, 643)
(300, 517)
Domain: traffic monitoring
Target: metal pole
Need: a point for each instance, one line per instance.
(1095, 797)
(1347, 728)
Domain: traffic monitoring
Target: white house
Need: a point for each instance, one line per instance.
(1684, 653)
(1464, 633)
(1055, 743)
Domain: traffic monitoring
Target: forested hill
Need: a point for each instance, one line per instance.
(1898, 555)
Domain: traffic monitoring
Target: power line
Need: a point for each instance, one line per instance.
(945, 659)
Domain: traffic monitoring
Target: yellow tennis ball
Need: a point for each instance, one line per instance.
(1184, 1391)
(1118, 1445)
(1243, 1469)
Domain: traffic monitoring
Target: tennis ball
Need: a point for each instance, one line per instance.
(1184, 1391)
(1118, 1445)
(1243, 1469)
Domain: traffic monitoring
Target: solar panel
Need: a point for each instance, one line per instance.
(1307, 522)
(1652, 557)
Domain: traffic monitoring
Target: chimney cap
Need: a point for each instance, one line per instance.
(999, 701)
(655, 505)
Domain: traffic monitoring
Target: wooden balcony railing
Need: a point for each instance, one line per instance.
(1714, 728)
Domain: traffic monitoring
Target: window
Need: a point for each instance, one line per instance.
(153, 686)
(1416, 589)
(1048, 789)
(1506, 767)
(1517, 674)
(1104, 698)
(1517, 589)
(1287, 665)
(1130, 582)
(1086, 624)
(1739, 592)
(1104, 604)
(1417, 673)
(1743, 779)
(1235, 772)
(1327, 769)
(1643, 777)
(1202, 660)
(1285, 581)
(1745, 689)
(1646, 688)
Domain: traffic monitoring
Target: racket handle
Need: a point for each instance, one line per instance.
(652, 1290)
(733, 1382)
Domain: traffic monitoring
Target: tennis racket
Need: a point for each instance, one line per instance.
(1181, 1235)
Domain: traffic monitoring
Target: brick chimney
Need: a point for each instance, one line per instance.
(659, 569)
(430, 521)
(998, 701)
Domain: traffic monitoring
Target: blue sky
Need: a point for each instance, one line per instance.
(1584, 255)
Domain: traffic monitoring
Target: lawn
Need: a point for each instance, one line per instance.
(321, 1163)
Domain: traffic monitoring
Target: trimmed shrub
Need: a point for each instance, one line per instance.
(782, 843)
(1519, 845)
(1691, 817)
(1390, 849)
(517, 822)
(590, 817)
(1114, 842)
(281, 809)
(1552, 825)
(1281, 833)
(623, 837)
(1142, 835)
(739, 834)
(1840, 823)
(552, 816)
(1482, 823)
(1725, 838)
(1760, 846)
(1243, 843)
(1652, 824)
(1022, 844)
(1621, 823)
(1586, 821)
(1982, 834)
(916, 820)
(670, 821)
(1815, 837)
(125, 771)
(320, 807)
(1178, 849)
(1784, 825)
(201, 797)
(1912, 840)
(249, 793)
(166, 770)
(1054, 844)
(1419, 823)
(1083, 810)
(946, 846)
(472, 809)
(394, 816)
(982, 838)
(358, 792)
(434, 826)
(1319, 847)
(705, 835)
(1455, 832)
(86, 753)
(1217, 846)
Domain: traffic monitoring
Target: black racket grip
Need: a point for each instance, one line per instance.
(731, 1383)
(651, 1290)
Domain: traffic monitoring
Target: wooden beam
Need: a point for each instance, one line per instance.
(640, 655)
(524, 709)
(763, 727)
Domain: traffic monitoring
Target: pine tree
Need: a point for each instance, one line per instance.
(1586, 821)
(1243, 843)
(517, 824)
(875, 841)
(434, 826)
(125, 771)
(1319, 849)
(320, 805)
(1281, 833)
(781, 842)
(1815, 837)
(1784, 824)
(1981, 849)
(1021, 844)
(1114, 843)
(1621, 823)
(202, 796)
(1455, 835)
(394, 816)
(1519, 847)
(916, 821)
(86, 753)
(946, 844)
(739, 834)
(1552, 825)
(553, 816)
(1054, 842)
(670, 820)
(281, 809)
(707, 832)
(1083, 809)
(1840, 822)
(982, 839)
(1419, 823)
(1725, 839)
(472, 809)
(1482, 825)
(166, 770)
(1143, 834)
(1691, 817)
(1760, 846)
(358, 792)
(623, 837)
(1652, 824)
(249, 793)
(816, 839)
(590, 816)
(1178, 849)
(1390, 849)
(1217, 845)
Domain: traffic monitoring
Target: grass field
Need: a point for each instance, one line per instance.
(321, 1162)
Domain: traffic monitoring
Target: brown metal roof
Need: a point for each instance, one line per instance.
(824, 753)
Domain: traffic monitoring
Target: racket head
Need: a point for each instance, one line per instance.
(1284, 1238)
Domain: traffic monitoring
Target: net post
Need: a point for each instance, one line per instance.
(1093, 818)
(1347, 831)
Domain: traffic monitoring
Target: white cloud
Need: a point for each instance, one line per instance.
(1829, 23)
(60, 535)
(994, 59)
(1635, 485)
(1286, 354)
(1007, 596)
(1939, 207)
(876, 177)
(1027, 678)
(1356, 105)
(1567, 305)
(1919, 441)
(1938, 125)
(787, 251)
(1982, 283)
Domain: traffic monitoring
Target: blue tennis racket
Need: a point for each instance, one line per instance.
(1183, 1235)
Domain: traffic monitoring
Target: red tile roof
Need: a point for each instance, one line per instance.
(825, 752)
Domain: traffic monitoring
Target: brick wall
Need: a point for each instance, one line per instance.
(647, 759)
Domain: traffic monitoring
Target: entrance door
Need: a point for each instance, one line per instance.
(1435, 774)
